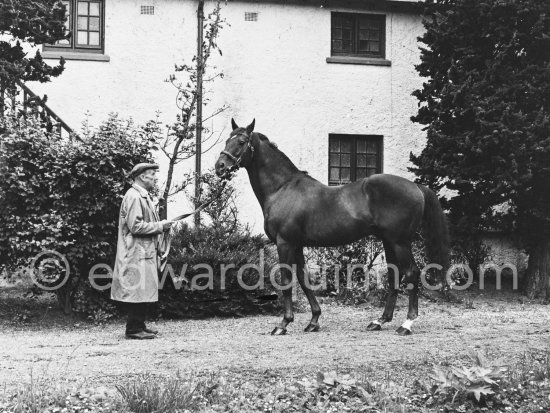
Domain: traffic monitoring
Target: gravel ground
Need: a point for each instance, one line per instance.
(502, 326)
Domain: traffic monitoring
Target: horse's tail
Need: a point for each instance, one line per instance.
(435, 231)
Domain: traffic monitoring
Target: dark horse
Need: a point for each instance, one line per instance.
(300, 211)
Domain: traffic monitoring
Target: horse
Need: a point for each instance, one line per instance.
(300, 211)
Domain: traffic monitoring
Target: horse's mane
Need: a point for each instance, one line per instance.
(274, 146)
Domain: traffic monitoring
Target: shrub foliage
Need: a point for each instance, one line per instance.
(64, 195)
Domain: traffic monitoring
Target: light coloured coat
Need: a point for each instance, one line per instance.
(135, 276)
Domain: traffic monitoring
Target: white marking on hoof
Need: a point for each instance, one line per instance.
(407, 324)
(378, 322)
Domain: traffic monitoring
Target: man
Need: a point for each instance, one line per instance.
(135, 276)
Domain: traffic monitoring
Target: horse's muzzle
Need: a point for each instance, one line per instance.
(221, 168)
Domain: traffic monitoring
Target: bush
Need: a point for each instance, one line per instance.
(369, 253)
(222, 241)
(192, 295)
(64, 196)
(358, 287)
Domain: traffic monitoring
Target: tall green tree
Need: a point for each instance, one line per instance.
(31, 22)
(486, 106)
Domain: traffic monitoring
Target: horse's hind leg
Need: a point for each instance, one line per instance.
(315, 308)
(411, 281)
(393, 287)
(287, 259)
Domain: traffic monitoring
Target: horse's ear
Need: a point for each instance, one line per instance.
(250, 128)
(234, 124)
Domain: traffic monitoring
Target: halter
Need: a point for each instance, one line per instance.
(237, 161)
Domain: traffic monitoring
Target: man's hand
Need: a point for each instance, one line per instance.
(166, 225)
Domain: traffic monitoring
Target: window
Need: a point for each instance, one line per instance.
(150, 10)
(358, 35)
(85, 21)
(353, 157)
(250, 16)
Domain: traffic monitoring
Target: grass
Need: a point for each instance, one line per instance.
(524, 387)
(41, 395)
(149, 393)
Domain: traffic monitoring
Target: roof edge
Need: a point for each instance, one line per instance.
(398, 6)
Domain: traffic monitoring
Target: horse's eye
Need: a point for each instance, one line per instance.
(241, 142)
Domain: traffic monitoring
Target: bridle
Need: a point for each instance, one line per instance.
(237, 160)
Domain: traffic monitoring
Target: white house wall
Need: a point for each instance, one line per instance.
(275, 71)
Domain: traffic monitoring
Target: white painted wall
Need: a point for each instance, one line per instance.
(275, 71)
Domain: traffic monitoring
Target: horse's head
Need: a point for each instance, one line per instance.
(238, 150)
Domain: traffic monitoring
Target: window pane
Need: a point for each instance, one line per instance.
(94, 39)
(371, 172)
(82, 37)
(67, 23)
(337, 45)
(94, 23)
(372, 146)
(94, 9)
(346, 146)
(83, 8)
(345, 160)
(347, 46)
(82, 23)
(370, 35)
(343, 33)
(361, 146)
(334, 159)
(334, 174)
(361, 160)
(344, 175)
(360, 173)
(370, 23)
(372, 161)
(334, 145)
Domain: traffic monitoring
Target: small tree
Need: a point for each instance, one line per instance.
(222, 211)
(33, 22)
(486, 107)
(179, 144)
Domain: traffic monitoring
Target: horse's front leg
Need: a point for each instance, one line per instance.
(287, 260)
(308, 291)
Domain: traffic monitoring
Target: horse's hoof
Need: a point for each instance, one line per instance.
(374, 327)
(402, 331)
(311, 328)
(278, 331)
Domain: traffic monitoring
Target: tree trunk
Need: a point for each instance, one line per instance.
(537, 282)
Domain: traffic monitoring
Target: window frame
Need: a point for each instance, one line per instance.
(73, 47)
(355, 35)
(378, 139)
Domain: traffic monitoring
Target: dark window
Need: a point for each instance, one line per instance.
(358, 35)
(86, 22)
(353, 157)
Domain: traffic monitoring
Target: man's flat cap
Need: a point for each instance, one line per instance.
(140, 168)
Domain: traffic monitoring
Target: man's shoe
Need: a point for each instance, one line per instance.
(140, 335)
(150, 331)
